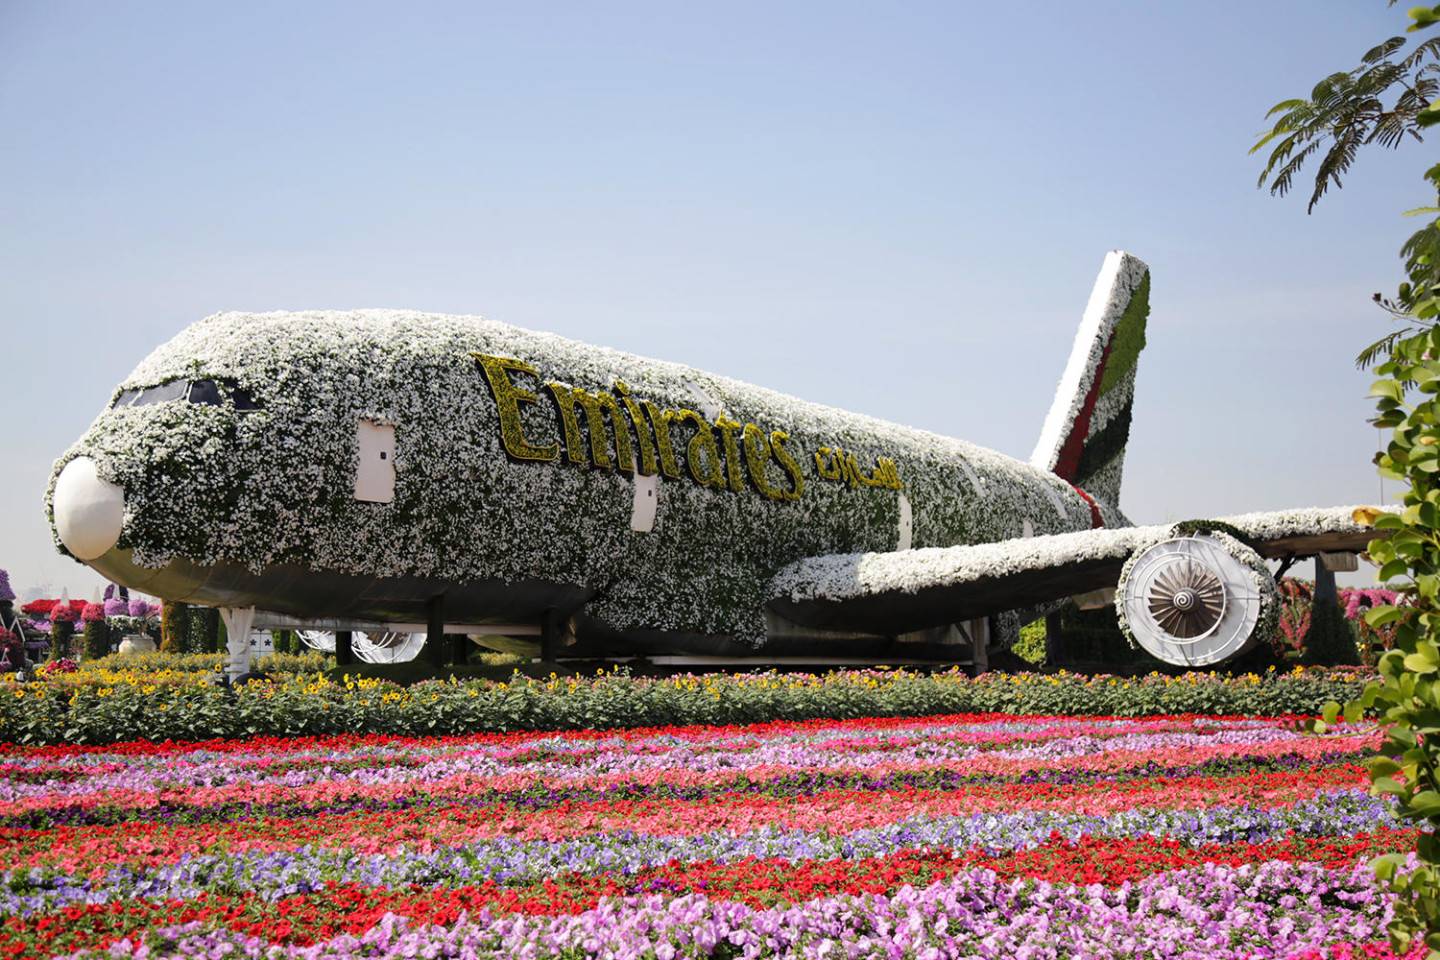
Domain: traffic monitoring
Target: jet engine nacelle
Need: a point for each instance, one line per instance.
(1197, 600)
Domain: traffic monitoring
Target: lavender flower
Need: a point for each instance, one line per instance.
(1213, 912)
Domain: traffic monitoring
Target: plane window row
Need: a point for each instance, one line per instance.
(209, 392)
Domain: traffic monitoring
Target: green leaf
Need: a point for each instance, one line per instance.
(1387, 388)
(1423, 17)
(1354, 710)
(1381, 767)
(1379, 616)
(1387, 785)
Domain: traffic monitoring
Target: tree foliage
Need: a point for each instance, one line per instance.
(1387, 100)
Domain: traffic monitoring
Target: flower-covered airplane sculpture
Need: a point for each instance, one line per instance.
(353, 470)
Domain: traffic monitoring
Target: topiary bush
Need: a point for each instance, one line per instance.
(175, 626)
(96, 636)
(1330, 641)
(62, 628)
(205, 629)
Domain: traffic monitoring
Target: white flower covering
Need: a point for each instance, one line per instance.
(1309, 521)
(1119, 278)
(850, 576)
(276, 485)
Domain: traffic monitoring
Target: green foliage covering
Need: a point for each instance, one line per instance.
(1387, 100)
(1408, 693)
(96, 708)
(1094, 638)
(1186, 527)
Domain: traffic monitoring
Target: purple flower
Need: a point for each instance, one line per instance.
(5, 592)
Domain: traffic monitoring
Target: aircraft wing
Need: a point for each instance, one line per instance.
(905, 590)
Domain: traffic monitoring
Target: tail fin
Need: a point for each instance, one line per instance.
(1083, 441)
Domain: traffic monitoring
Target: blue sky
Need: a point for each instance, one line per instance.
(896, 209)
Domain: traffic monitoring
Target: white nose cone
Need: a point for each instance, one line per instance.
(88, 510)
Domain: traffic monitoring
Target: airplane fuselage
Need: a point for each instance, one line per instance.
(359, 465)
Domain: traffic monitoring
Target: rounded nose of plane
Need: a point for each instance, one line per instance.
(88, 510)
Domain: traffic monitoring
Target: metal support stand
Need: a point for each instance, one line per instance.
(344, 653)
(549, 632)
(435, 647)
(1054, 640)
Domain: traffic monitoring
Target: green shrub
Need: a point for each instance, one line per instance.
(307, 662)
(101, 705)
(1031, 645)
(158, 662)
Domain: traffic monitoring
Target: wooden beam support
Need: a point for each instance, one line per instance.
(1325, 591)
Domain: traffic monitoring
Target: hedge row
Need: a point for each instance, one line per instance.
(108, 706)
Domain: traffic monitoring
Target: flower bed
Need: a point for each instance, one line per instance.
(983, 835)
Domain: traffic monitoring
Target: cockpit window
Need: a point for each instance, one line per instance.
(173, 390)
(243, 401)
(208, 392)
(205, 391)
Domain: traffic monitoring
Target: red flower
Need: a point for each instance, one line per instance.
(39, 609)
